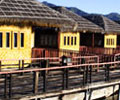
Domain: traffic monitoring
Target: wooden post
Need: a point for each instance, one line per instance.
(22, 64)
(119, 93)
(0, 66)
(84, 75)
(19, 64)
(108, 72)
(63, 79)
(98, 65)
(67, 78)
(87, 73)
(5, 86)
(44, 81)
(10, 86)
(90, 74)
(35, 82)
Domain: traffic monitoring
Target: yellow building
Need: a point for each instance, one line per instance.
(110, 35)
(18, 29)
(110, 41)
(79, 32)
(69, 41)
(15, 43)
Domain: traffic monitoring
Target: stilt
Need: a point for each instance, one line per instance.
(35, 82)
(88, 95)
(119, 93)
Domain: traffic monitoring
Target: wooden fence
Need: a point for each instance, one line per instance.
(19, 83)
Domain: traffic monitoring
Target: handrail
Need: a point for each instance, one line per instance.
(43, 58)
(59, 67)
(47, 58)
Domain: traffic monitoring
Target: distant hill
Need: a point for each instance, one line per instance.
(73, 9)
(112, 16)
(77, 11)
(48, 4)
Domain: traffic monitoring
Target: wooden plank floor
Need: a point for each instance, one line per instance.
(22, 84)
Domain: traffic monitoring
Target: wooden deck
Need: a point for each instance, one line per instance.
(30, 82)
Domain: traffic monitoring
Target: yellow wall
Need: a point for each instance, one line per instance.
(19, 52)
(69, 47)
(110, 41)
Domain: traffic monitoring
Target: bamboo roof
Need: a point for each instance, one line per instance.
(30, 10)
(82, 23)
(108, 25)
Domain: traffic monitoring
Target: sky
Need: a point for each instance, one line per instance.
(90, 6)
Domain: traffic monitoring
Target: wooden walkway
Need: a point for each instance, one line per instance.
(20, 83)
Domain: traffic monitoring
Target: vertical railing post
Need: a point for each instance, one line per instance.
(63, 79)
(119, 93)
(67, 78)
(19, 64)
(35, 82)
(91, 74)
(98, 65)
(10, 85)
(5, 86)
(84, 75)
(44, 64)
(0, 66)
(44, 81)
(22, 64)
(87, 72)
(107, 72)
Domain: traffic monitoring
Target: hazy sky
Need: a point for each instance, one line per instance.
(90, 6)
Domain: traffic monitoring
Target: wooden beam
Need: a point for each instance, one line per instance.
(5, 86)
(35, 82)
(10, 85)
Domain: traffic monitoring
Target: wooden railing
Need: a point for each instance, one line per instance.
(46, 52)
(53, 79)
(18, 64)
(98, 50)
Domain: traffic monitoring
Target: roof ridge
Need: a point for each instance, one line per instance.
(105, 24)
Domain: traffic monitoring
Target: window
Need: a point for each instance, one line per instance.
(15, 39)
(22, 39)
(110, 42)
(75, 40)
(7, 39)
(1, 37)
(68, 40)
(71, 40)
(64, 40)
(107, 42)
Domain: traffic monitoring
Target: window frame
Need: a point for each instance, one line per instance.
(65, 40)
(9, 39)
(1, 39)
(75, 40)
(21, 39)
(72, 41)
(68, 40)
(14, 39)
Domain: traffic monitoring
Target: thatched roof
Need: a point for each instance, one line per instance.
(108, 25)
(30, 11)
(83, 24)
